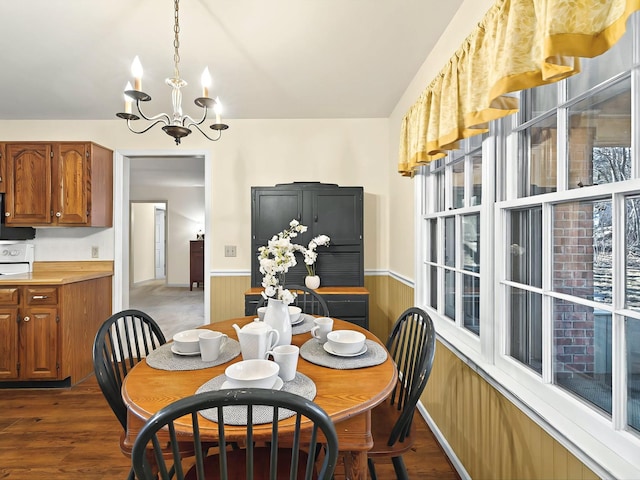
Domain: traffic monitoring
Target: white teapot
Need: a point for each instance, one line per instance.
(256, 338)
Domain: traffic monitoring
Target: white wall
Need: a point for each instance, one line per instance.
(185, 211)
(401, 199)
(142, 242)
(252, 152)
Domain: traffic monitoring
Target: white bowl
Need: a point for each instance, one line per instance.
(294, 313)
(254, 373)
(261, 311)
(187, 341)
(346, 341)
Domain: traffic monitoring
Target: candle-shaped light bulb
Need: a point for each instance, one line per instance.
(205, 79)
(127, 99)
(136, 71)
(218, 109)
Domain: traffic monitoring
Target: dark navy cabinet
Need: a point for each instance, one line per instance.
(326, 209)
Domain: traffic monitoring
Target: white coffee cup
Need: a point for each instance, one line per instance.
(322, 326)
(210, 344)
(286, 356)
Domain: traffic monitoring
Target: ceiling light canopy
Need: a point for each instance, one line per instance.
(177, 125)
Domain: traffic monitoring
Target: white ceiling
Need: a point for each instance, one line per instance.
(70, 59)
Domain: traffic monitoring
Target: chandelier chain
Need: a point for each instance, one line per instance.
(176, 41)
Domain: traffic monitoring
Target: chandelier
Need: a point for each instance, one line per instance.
(177, 125)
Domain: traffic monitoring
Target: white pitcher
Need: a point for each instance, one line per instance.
(277, 317)
(256, 338)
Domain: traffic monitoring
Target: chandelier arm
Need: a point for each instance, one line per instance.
(208, 137)
(146, 129)
(162, 117)
(192, 121)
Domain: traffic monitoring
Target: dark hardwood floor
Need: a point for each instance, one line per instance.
(72, 434)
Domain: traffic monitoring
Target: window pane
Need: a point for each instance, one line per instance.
(439, 191)
(450, 241)
(525, 321)
(540, 141)
(432, 227)
(582, 346)
(457, 184)
(582, 249)
(433, 286)
(632, 326)
(471, 303)
(632, 242)
(543, 99)
(600, 137)
(476, 161)
(450, 294)
(596, 70)
(525, 253)
(471, 242)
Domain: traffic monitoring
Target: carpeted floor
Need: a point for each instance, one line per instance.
(173, 308)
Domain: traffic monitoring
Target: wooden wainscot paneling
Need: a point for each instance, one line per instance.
(227, 297)
(489, 434)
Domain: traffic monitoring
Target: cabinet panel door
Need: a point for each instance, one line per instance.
(338, 214)
(28, 197)
(8, 343)
(70, 181)
(39, 339)
(3, 170)
(272, 212)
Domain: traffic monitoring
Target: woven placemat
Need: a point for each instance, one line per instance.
(300, 385)
(314, 352)
(163, 358)
(303, 327)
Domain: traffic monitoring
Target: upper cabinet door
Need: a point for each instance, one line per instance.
(273, 210)
(338, 214)
(70, 175)
(28, 172)
(3, 170)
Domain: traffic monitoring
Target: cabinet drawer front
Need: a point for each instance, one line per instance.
(9, 296)
(347, 308)
(42, 296)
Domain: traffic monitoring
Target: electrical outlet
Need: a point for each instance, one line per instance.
(229, 250)
(95, 252)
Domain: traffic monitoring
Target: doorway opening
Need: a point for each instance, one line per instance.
(182, 181)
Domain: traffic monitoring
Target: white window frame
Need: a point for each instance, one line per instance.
(604, 444)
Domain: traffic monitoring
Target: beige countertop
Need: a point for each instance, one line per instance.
(51, 277)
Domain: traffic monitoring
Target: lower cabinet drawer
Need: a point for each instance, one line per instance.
(9, 296)
(42, 296)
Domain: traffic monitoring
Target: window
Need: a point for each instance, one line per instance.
(453, 244)
(556, 285)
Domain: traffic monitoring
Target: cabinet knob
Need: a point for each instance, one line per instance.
(7, 214)
(58, 214)
(26, 319)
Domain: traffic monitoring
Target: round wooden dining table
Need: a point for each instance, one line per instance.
(347, 395)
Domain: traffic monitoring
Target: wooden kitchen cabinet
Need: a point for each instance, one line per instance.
(58, 184)
(47, 331)
(3, 163)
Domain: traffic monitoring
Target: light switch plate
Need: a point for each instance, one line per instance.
(229, 250)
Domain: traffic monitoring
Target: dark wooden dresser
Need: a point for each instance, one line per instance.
(196, 262)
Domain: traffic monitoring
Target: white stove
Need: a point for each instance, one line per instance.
(16, 258)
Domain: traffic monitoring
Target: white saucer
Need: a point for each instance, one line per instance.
(276, 386)
(184, 354)
(330, 350)
(300, 320)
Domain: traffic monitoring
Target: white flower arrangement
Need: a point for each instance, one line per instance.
(310, 255)
(279, 255)
(275, 260)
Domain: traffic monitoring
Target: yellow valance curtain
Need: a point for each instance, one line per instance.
(519, 44)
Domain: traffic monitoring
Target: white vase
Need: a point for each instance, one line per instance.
(277, 317)
(312, 281)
